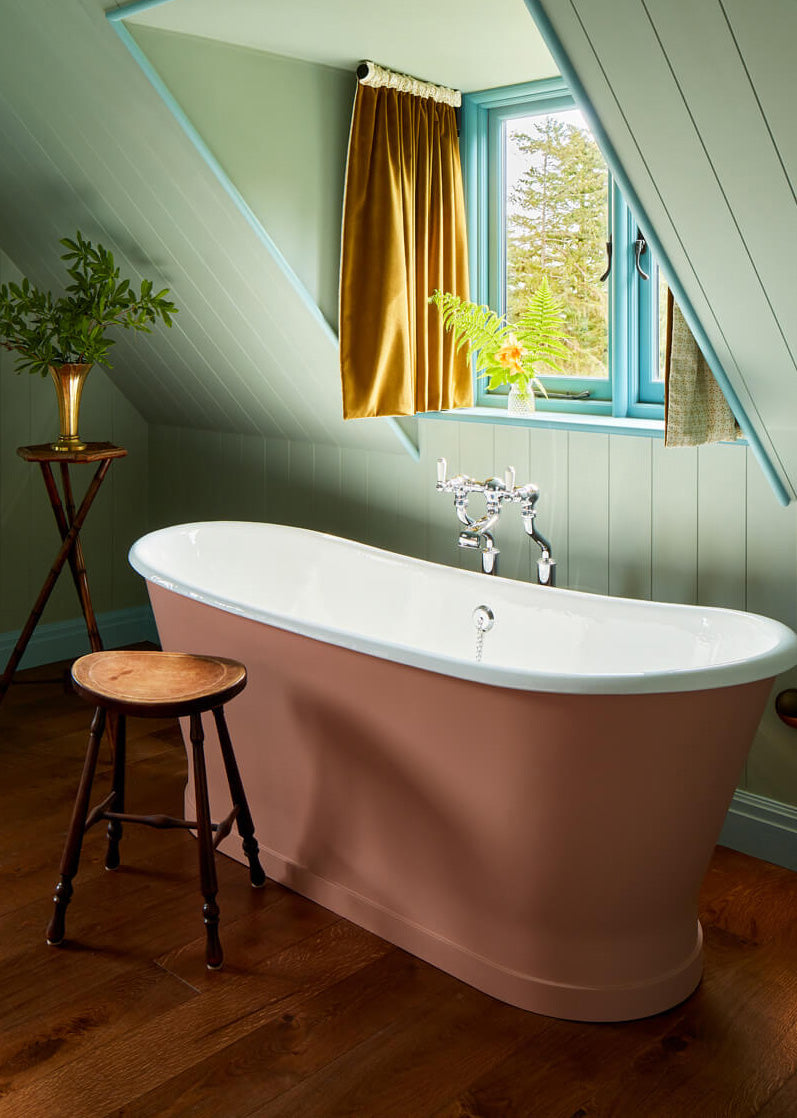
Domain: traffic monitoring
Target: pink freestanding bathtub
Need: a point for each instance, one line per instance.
(537, 823)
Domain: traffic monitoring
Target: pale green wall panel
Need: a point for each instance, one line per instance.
(128, 479)
(354, 493)
(302, 477)
(717, 88)
(765, 33)
(278, 470)
(588, 522)
(771, 567)
(270, 121)
(674, 524)
(326, 487)
(251, 494)
(721, 526)
(629, 513)
(416, 482)
(382, 528)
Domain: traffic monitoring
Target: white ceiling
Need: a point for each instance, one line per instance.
(467, 44)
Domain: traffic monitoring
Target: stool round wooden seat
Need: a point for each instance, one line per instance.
(158, 685)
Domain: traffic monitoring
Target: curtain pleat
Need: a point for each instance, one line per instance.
(695, 409)
(403, 238)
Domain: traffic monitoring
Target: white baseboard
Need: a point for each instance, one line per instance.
(64, 640)
(763, 828)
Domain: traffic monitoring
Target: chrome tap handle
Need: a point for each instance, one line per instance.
(495, 492)
(461, 508)
(509, 480)
(442, 466)
(527, 495)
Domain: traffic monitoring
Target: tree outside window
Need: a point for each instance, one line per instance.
(557, 224)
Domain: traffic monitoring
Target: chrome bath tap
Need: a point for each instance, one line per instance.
(477, 534)
(546, 564)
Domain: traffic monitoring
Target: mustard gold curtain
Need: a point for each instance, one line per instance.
(403, 237)
(695, 410)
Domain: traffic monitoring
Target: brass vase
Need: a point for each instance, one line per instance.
(69, 381)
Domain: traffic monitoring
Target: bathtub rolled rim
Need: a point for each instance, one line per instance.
(781, 656)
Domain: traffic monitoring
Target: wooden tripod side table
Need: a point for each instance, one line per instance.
(69, 521)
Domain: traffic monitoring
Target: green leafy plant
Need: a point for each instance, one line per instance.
(72, 329)
(505, 353)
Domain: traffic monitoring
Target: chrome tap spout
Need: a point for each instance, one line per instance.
(546, 564)
(484, 543)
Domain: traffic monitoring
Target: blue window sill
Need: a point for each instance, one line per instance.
(556, 421)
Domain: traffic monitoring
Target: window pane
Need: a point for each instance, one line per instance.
(557, 221)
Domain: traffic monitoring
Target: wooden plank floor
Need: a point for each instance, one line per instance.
(312, 1016)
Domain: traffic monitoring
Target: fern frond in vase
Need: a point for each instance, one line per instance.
(539, 329)
(504, 354)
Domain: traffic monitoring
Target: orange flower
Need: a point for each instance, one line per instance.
(510, 354)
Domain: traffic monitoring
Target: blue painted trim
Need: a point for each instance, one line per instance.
(763, 828)
(133, 9)
(556, 48)
(650, 389)
(559, 421)
(485, 114)
(640, 422)
(622, 335)
(405, 439)
(65, 640)
(115, 18)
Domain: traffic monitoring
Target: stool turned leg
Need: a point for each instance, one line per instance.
(74, 839)
(118, 792)
(246, 828)
(207, 865)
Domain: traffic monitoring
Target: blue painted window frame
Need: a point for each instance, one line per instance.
(632, 390)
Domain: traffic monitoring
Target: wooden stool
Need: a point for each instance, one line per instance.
(158, 685)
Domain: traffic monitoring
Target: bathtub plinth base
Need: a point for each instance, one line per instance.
(526, 991)
(551, 999)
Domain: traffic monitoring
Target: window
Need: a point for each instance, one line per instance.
(541, 200)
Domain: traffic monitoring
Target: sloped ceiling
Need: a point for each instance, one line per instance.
(697, 100)
(466, 44)
(87, 143)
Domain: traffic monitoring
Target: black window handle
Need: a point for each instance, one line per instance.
(640, 246)
(608, 259)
